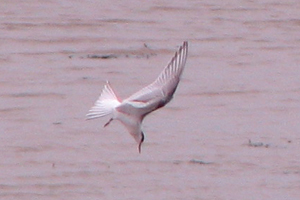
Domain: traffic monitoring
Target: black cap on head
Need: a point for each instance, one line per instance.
(142, 140)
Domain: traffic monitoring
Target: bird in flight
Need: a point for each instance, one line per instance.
(131, 111)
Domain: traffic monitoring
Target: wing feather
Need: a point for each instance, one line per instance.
(166, 83)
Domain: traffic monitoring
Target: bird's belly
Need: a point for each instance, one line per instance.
(130, 122)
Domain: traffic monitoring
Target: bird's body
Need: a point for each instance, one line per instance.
(131, 111)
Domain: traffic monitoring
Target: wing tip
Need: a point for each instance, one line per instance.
(185, 45)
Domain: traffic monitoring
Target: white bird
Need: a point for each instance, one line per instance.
(131, 111)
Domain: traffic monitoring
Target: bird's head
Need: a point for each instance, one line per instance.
(141, 141)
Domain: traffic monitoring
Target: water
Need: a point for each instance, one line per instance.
(240, 88)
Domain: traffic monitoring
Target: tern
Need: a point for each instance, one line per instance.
(131, 111)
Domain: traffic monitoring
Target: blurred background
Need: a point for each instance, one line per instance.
(231, 131)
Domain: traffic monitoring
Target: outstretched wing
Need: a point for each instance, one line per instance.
(162, 89)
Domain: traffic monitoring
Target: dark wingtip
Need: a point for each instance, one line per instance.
(185, 45)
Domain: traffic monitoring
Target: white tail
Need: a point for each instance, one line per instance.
(105, 105)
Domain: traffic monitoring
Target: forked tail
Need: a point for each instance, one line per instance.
(105, 105)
